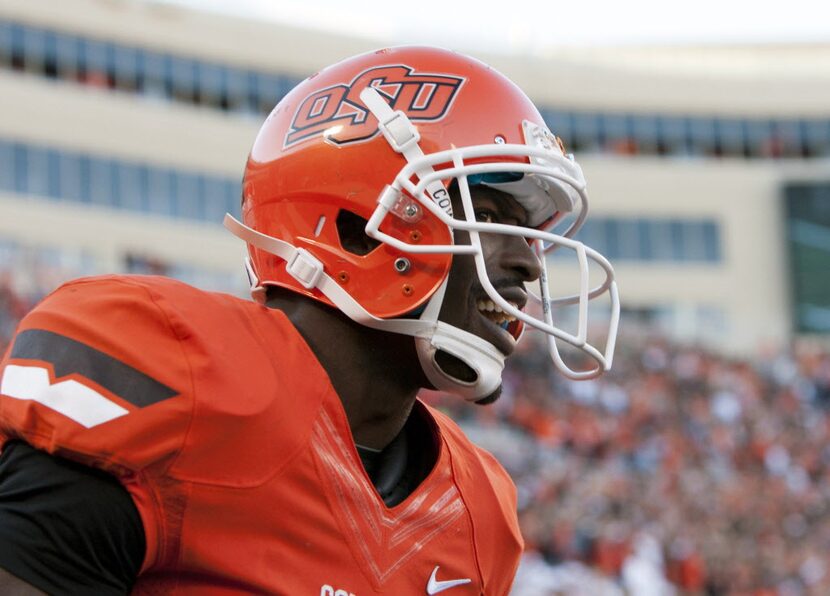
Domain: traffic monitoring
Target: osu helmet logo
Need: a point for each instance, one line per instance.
(338, 108)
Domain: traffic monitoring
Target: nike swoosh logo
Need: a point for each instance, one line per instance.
(434, 586)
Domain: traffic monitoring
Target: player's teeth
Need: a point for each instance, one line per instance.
(494, 312)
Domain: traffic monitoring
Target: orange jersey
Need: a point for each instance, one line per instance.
(220, 422)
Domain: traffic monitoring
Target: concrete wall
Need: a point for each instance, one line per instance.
(123, 125)
(749, 287)
(762, 81)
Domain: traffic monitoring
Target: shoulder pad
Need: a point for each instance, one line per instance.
(132, 372)
(84, 363)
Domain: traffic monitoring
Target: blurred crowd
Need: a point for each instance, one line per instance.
(13, 305)
(680, 472)
(26, 276)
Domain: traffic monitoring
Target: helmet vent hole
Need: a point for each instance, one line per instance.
(351, 228)
(320, 223)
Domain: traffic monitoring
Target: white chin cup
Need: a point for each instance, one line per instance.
(481, 356)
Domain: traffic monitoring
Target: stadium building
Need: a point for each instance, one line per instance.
(125, 125)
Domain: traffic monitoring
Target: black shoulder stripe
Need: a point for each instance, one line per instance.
(69, 356)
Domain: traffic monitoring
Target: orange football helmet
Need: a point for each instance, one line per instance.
(377, 139)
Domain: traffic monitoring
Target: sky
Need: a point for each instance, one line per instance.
(534, 26)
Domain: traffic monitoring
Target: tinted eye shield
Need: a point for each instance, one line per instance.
(489, 178)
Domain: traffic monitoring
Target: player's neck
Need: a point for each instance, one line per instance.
(375, 374)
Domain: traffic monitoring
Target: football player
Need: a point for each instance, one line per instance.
(161, 439)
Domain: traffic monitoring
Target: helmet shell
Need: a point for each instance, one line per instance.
(320, 152)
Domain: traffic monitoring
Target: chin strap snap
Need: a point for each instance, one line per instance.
(305, 268)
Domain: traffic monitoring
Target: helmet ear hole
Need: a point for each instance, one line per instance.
(351, 229)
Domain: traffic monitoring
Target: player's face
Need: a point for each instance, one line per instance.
(510, 262)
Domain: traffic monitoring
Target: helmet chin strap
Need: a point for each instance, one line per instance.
(431, 335)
